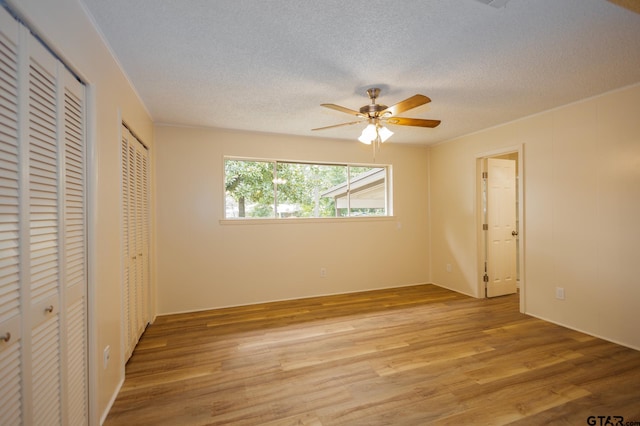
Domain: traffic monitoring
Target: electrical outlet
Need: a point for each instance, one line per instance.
(323, 272)
(106, 356)
(560, 293)
(449, 267)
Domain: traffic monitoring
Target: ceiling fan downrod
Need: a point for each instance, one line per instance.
(373, 109)
(373, 94)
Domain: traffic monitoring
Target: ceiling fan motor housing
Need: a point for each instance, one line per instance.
(373, 110)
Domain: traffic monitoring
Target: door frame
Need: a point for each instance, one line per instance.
(481, 235)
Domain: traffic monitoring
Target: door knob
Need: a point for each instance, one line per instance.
(514, 233)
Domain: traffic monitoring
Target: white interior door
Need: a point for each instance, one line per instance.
(501, 232)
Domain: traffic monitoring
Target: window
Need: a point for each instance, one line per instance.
(285, 189)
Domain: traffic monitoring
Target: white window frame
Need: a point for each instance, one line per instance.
(388, 201)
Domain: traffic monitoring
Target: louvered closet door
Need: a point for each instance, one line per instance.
(145, 223)
(11, 345)
(128, 219)
(135, 197)
(142, 240)
(44, 238)
(43, 364)
(75, 254)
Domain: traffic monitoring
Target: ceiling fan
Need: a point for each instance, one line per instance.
(378, 114)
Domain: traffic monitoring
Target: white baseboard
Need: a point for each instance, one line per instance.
(626, 345)
(104, 415)
(457, 291)
(294, 298)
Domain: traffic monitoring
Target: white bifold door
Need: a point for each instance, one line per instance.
(135, 251)
(43, 244)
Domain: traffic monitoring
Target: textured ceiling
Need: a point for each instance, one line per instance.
(267, 65)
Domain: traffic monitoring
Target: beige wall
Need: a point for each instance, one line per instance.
(203, 263)
(581, 211)
(65, 26)
(582, 181)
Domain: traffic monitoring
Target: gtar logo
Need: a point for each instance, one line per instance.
(605, 421)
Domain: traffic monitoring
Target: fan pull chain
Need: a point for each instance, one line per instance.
(376, 144)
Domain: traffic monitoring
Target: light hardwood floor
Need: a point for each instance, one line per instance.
(417, 355)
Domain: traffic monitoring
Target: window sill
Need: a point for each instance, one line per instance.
(300, 220)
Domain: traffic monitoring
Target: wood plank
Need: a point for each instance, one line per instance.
(411, 355)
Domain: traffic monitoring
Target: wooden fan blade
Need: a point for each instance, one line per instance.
(406, 105)
(339, 125)
(343, 109)
(401, 121)
(632, 5)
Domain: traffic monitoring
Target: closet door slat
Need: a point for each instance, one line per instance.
(10, 385)
(46, 371)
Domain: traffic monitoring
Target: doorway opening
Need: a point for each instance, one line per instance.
(500, 223)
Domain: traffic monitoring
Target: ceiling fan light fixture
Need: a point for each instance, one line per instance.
(374, 132)
(384, 133)
(368, 134)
